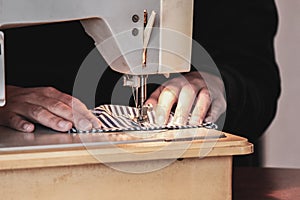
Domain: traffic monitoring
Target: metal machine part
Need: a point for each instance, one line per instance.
(139, 91)
(45, 139)
(142, 99)
(158, 45)
(2, 72)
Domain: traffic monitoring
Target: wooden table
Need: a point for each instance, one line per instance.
(252, 183)
(49, 165)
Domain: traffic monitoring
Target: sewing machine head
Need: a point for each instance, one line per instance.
(135, 37)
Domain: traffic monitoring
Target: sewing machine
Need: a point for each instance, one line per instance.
(137, 38)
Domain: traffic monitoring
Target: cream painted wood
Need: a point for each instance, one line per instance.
(76, 173)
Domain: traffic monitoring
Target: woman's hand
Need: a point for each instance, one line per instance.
(200, 94)
(46, 106)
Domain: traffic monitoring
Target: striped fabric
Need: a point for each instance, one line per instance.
(123, 118)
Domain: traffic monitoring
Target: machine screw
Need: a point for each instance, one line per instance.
(135, 32)
(135, 18)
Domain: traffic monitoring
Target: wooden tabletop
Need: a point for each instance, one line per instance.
(45, 148)
(252, 183)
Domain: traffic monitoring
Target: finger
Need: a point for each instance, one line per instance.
(72, 102)
(44, 93)
(83, 117)
(153, 99)
(185, 102)
(218, 107)
(82, 123)
(54, 106)
(66, 106)
(201, 108)
(42, 116)
(18, 123)
(166, 100)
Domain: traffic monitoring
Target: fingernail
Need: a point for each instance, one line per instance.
(97, 124)
(160, 115)
(178, 120)
(195, 121)
(64, 124)
(84, 125)
(28, 127)
(208, 119)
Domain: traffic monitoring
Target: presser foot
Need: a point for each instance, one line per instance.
(143, 114)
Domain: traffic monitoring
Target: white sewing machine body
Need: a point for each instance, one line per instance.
(118, 29)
